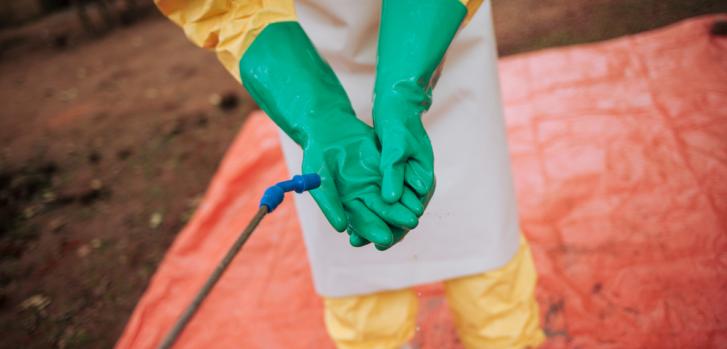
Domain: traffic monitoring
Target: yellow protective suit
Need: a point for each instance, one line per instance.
(228, 27)
(495, 309)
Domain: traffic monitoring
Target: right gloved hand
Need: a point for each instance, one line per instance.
(289, 80)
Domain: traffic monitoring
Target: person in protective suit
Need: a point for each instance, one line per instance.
(378, 181)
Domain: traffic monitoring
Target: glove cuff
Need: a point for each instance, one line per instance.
(414, 36)
(292, 83)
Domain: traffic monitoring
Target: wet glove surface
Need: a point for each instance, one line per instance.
(398, 233)
(413, 38)
(290, 81)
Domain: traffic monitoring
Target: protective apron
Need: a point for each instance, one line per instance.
(470, 226)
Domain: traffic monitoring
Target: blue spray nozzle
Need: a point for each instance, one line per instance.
(274, 195)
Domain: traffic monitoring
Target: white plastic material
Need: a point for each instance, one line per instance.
(471, 223)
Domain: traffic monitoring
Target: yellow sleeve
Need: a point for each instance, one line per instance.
(472, 6)
(227, 27)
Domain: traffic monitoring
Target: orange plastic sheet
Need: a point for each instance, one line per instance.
(620, 158)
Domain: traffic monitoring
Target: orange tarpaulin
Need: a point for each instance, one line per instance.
(620, 158)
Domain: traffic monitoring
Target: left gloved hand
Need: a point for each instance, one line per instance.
(413, 38)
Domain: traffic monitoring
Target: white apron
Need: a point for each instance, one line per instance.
(471, 224)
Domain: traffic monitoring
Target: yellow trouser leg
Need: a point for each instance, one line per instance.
(384, 320)
(497, 309)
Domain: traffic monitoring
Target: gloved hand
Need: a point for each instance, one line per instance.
(398, 233)
(289, 80)
(413, 37)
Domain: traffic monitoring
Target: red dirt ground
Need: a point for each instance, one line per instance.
(107, 143)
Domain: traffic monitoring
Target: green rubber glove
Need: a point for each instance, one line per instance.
(413, 37)
(398, 233)
(289, 80)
